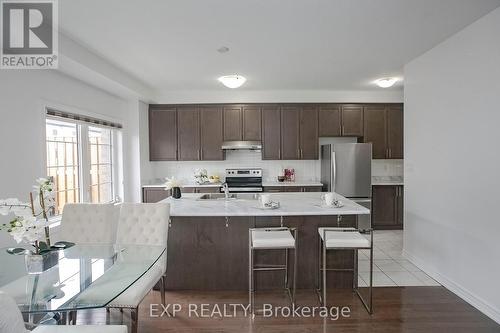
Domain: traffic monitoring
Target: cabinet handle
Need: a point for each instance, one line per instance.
(390, 152)
(342, 131)
(199, 154)
(301, 153)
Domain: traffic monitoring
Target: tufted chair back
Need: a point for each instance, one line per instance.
(89, 223)
(144, 224)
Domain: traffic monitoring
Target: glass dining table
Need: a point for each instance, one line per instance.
(84, 276)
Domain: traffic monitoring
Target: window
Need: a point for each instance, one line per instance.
(80, 160)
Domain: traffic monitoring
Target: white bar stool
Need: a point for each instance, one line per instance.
(272, 239)
(344, 239)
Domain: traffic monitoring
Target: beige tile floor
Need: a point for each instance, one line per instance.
(390, 268)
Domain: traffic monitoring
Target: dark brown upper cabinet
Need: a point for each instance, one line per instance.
(352, 120)
(242, 123)
(211, 133)
(329, 121)
(252, 119)
(162, 134)
(233, 123)
(375, 130)
(395, 126)
(383, 127)
(309, 141)
(188, 127)
(271, 133)
(290, 132)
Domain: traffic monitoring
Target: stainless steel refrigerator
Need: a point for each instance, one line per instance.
(346, 168)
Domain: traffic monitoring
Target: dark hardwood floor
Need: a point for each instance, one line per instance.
(410, 309)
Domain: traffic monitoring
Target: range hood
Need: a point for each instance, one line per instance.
(241, 145)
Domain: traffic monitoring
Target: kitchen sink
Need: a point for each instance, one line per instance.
(232, 196)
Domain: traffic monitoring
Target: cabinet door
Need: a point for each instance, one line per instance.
(352, 120)
(252, 123)
(153, 195)
(329, 123)
(208, 190)
(274, 189)
(400, 207)
(211, 134)
(395, 131)
(384, 207)
(292, 189)
(290, 131)
(312, 189)
(375, 130)
(188, 127)
(309, 141)
(163, 134)
(232, 123)
(271, 133)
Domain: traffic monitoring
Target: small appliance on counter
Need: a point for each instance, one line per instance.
(244, 180)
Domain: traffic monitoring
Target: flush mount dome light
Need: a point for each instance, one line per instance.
(232, 81)
(386, 82)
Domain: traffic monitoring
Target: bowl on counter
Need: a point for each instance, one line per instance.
(281, 179)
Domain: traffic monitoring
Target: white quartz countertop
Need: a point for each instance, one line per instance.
(296, 183)
(291, 204)
(387, 180)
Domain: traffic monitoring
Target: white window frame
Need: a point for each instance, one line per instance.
(84, 159)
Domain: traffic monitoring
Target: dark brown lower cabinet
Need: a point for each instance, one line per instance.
(387, 207)
(211, 253)
(154, 194)
(292, 188)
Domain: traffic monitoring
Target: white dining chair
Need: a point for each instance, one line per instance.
(84, 223)
(11, 321)
(143, 224)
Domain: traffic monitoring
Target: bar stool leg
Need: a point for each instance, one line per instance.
(286, 268)
(250, 276)
(324, 274)
(294, 268)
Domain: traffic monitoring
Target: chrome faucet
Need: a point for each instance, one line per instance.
(225, 188)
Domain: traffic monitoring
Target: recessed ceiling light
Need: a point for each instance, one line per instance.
(232, 81)
(386, 82)
(223, 49)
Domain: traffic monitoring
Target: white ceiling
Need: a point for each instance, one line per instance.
(277, 45)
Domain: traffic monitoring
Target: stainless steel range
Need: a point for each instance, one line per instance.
(244, 180)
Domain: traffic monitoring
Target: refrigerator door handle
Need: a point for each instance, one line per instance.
(334, 171)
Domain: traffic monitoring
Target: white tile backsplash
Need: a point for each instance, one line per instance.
(385, 168)
(304, 170)
(307, 170)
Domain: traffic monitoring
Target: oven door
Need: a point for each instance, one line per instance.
(244, 184)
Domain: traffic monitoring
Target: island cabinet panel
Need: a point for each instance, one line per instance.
(162, 134)
(252, 120)
(271, 133)
(375, 130)
(290, 133)
(352, 120)
(188, 127)
(329, 121)
(309, 133)
(292, 188)
(211, 134)
(395, 131)
(154, 194)
(233, 123)
(211, 253)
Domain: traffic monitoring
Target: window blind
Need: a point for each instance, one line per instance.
(82, 118)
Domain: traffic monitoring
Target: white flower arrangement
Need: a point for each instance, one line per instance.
(171, 183)
(30, 221)
(201, 176)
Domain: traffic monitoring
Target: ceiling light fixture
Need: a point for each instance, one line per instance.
(223, 49)
(386, 82)
(232, 81)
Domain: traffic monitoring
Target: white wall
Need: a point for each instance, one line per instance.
(23, 97)
(452, 163)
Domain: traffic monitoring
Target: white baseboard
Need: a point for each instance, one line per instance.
(477, 302)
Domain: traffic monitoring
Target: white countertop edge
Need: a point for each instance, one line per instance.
(186, 185)
(387, 183)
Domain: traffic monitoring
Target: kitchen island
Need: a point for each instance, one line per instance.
(208, 239)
